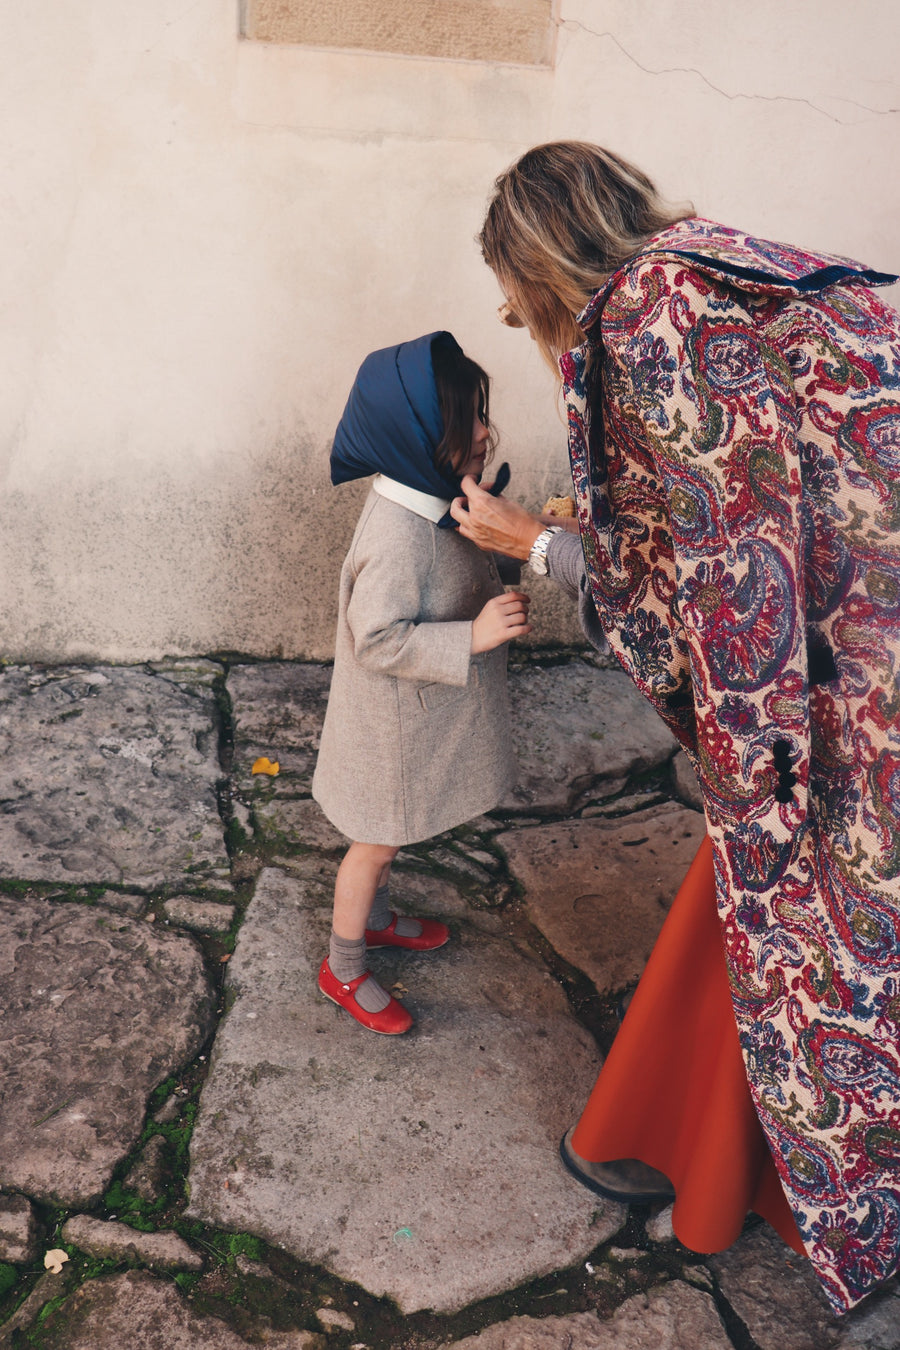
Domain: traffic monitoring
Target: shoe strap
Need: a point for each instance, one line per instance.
(353, 985)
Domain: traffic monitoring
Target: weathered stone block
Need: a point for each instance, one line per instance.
(686, 785)
(599, 890)
(117, 1242)
(278, 709)
(670, 1317)
(97, 1010)
(203, 916)
(780, 1301)
(108, 775)
(18, 1230)
(147, 1176)
(137, 1309)
(423, 1167)
(298, 822)
(520, 31)
(575, 724)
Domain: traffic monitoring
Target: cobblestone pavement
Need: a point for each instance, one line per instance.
(196, 1150)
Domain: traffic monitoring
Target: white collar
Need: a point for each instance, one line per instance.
(420, 503)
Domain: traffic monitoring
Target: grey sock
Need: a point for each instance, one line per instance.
(347, 959)
(381, 914)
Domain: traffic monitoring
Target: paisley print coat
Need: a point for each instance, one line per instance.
(734, 430)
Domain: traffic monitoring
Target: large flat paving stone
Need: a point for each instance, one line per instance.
(575, 725)
(292, 821)
(782, 1304)
(670, 1317)
(423, 1167)
(599, 890)
(278, 709)
(124, 1312)
(97, 1009)
(109, 775)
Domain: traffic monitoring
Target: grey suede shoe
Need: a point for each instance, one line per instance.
(626, 1180)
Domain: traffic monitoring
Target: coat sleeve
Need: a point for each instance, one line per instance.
(383, 610)
(691, 378)
(565, 559)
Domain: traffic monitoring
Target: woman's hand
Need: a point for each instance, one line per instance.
(503, 618)
(495, 524)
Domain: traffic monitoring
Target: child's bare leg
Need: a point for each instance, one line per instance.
(365, 867)
(358, 878)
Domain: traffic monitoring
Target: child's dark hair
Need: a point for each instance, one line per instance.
(462, 388)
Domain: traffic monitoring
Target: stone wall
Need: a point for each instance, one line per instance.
(205, 234)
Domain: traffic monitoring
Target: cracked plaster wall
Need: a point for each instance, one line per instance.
(205, 235)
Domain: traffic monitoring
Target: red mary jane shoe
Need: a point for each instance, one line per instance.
(391, 1021)
(434, 934)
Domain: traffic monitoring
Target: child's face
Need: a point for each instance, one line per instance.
(478, 450)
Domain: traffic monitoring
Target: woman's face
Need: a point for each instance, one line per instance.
(478, 450)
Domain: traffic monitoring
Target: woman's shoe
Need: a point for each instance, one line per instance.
(391, 1021)
(434, 934)
(626, 1180)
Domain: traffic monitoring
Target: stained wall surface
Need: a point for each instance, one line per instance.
(205, 233)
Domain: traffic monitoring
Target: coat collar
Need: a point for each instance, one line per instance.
(759, 266)
(420, 503)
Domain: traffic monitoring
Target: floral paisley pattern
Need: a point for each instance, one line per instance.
(734, 433)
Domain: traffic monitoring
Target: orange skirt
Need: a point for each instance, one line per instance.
(673, 1092)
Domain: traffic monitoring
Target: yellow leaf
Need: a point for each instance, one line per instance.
(53, 1261)
(264, 765)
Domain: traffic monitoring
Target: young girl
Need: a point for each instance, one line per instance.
(417, 732)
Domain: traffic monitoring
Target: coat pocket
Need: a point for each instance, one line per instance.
(436, 697)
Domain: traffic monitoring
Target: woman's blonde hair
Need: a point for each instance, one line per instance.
(562, 219)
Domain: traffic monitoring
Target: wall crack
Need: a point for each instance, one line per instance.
(573, 25)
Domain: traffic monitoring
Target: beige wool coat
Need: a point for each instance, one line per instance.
(417, 731)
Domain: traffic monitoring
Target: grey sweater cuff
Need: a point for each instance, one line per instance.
(565, 563)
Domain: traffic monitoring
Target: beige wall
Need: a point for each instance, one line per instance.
(203, 236)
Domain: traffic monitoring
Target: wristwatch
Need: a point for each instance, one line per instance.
(537, 558)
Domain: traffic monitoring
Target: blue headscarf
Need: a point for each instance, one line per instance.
(392, 423)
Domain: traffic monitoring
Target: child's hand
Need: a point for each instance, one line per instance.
(504, 617)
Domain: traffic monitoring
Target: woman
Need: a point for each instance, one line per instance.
(734, 434)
